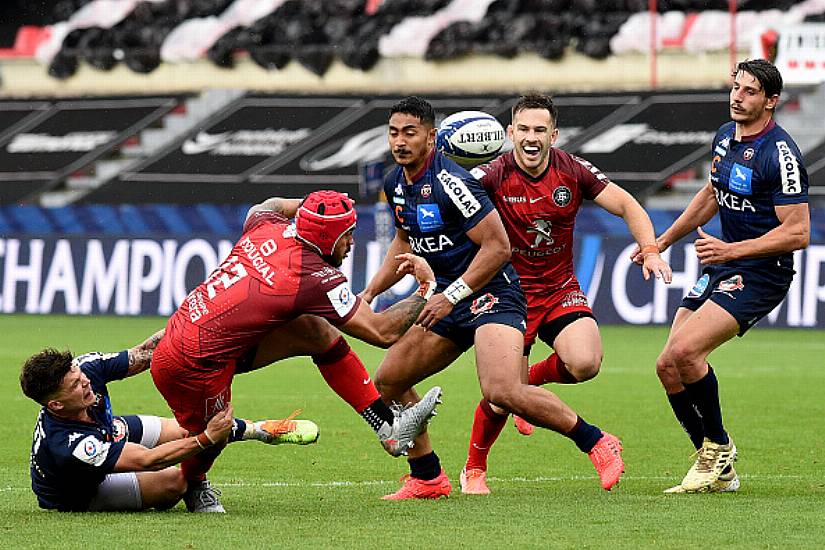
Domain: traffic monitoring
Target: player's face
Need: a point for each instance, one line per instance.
(748, 102)
(411, 141)
(532, 132)
(75, 391)
(342, 248)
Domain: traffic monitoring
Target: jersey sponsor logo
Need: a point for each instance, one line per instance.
(426, 190)
(459, 193)
(91, 450)
(788, 169)
(542, 229)
(700, 287)
(748, 154)
(120, 429)
(429, 218)
(514, 200)
(342, 299)
(733, 202)
(430, 245)
(562, 196)
(483, 304)
(740, 179)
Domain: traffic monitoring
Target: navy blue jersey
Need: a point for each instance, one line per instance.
(752, 176)
(436, 211)
(69, 459)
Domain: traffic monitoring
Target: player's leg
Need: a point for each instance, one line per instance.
(416, 356)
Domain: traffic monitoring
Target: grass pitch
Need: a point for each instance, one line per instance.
(545, 492)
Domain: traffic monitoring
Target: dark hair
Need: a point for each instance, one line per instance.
(763, 71)
(43, 373)
(416, 107)
(535, 100)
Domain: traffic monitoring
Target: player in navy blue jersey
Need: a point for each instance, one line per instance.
(84, 458)
(759, 186)
(444, 215)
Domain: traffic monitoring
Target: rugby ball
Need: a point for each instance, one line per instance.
(470, 137)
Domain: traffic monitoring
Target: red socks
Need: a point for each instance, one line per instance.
(487, 425)
(344, 372)
(549, 370)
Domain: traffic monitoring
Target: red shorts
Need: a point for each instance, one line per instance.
(544, 307)
(194, 393)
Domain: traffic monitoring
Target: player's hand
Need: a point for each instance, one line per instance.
(711, 250)
(415, 266)
(220, 425)
(436, 309)
(653, 264)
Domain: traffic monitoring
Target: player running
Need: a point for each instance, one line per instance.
(538, 190)
(84, 458)
(759, 186)
(442, 213)
(271, 299)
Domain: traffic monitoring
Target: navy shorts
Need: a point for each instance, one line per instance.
(747, 294)
(499, 303)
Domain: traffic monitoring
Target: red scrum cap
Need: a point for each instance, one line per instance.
(323, 218)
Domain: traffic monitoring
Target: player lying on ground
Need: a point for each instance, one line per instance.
(84, 458)
(274, 297)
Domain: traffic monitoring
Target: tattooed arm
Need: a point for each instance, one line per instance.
(140, 356)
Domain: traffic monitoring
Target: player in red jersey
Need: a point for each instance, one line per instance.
(538, 190)
(271, 299)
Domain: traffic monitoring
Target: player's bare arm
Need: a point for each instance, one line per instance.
(287, 207)
(793, 233)
(140, 356)
(620, 203)
(489, 234)
(388, 274)
(137, 458)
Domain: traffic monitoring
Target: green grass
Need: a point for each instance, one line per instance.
(545, 492)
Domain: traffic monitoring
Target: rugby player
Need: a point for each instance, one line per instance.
(759, 186)
(274, 297)
(538, 190)
(443, 214)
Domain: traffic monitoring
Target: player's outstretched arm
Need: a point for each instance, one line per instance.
(388, 274)
(137, 458)
(140, 356)
(287, 207)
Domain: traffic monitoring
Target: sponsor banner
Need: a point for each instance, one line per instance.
(151, 276)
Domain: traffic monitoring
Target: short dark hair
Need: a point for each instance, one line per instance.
(764, 72)
(43, 373)
(535, 100)
(417, 107)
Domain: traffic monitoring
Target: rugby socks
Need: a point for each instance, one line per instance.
(550, 370)
(425, 467)
(704, 393)
(688, 416)
(344, 372)
(487, 426)
(584, 435)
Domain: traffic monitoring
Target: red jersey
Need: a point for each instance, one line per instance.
(540, 213)
(268, 279)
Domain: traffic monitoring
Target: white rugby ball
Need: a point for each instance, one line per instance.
(470, 137)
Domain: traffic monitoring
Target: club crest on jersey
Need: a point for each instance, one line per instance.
(426, 191)
(429, 218)
(748, 154)
(562, 196)
(731, 284)
(740, 179)
(120, 429)
(700, 287)
(483, 304)
(542, 229)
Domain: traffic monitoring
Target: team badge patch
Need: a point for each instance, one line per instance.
(429, 218)
(342, 299)
(700, 287)
(748, 154)
(731, 284)
(426, 191)
(483, 304)
(120, 430)
(562, 196)
(740, 179)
